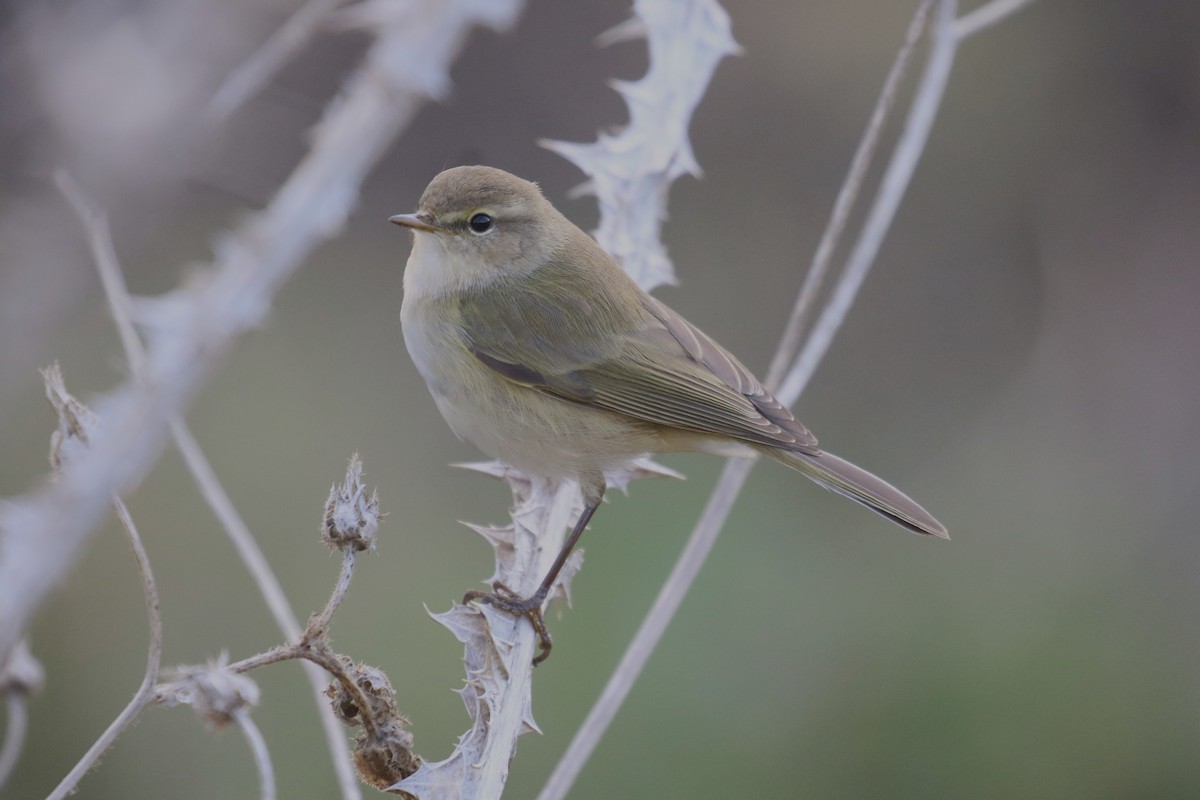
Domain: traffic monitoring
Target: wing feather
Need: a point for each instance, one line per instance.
(654, 365)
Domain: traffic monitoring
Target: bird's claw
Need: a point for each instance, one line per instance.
(530, 607)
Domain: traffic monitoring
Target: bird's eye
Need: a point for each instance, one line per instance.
(480, 223)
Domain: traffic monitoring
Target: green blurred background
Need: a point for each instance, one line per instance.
(1025, 360)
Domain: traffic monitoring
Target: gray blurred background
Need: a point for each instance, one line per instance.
(1024, 361)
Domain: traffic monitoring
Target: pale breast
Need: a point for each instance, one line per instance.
(535, 432)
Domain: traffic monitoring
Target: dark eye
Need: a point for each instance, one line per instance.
(480, 223)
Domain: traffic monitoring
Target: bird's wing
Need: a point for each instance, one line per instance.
(657, 367)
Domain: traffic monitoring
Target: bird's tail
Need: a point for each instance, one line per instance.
(862, 487)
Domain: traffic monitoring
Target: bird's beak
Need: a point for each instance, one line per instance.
(418, 222)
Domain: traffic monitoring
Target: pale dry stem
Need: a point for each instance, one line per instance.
(262, 65)
(322, 620)
(112, 278)
(864, 155)
(145, 692)
(893, 185)
(258, 748)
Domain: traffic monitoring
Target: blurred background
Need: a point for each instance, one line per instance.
(1025, 360)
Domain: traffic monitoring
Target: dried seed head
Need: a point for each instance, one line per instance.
(385, 759)
(376, 690)
(215, 692)
(351, 517)
(383, 752)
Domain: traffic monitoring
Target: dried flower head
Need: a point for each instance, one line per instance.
(383, 752)
(214, 691)
(351, 517)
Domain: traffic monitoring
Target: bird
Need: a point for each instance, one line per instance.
(539, 349)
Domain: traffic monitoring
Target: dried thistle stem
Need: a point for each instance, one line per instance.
(864, 155)
(320, 623)
(899, 172)
(112, 277)
(249, 78)
(258, 748)
(146, 691)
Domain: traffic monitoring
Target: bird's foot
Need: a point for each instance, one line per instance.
(530, 607)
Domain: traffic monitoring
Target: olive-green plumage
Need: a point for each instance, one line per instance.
(539, 349)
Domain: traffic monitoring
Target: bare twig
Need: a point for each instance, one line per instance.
(789, 342)
(734, 475)
(113, 280)
(985, 16)
(891, 191)
(315, 651)
(71, 442)
(145, 692)
(249, 79)
(322, 620)
(95, 225)
(238, 532)
(258, 747)
(269, 587)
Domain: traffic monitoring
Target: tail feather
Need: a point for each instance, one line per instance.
(842, 477)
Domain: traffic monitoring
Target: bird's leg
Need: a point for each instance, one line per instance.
(530, 607)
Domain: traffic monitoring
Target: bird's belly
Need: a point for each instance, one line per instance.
(541, 434)
(535, 432)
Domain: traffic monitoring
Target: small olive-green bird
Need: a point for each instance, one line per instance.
(539, 349)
